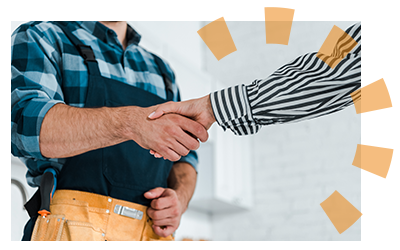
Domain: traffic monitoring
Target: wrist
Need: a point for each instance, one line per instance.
(122, 123)
(210, 113)
(182, 200)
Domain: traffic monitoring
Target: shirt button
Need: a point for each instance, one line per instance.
(103, 234)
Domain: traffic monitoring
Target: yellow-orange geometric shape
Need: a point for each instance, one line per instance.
(220, 19)
(356, 97)
(218, 39)
(336, 46)
(278, 14)
(278, 24)
(371, 97)
(340, 211)
(373, 159)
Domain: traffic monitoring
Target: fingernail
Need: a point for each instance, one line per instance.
(151, 115)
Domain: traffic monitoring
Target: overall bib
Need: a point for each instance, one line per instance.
(123, 172)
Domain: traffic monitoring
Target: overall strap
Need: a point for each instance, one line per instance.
(84, 50)
(166, 75)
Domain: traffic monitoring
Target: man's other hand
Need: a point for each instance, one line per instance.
(165, 210)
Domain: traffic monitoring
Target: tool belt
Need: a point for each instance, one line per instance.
(77, 215)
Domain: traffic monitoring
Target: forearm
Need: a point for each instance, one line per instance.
(182, 179)
(68, 131)
(303, 89)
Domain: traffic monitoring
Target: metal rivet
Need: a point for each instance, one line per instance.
(103, 234)
(58, 219)
(47, 221)
(109, 200)
(107, 211)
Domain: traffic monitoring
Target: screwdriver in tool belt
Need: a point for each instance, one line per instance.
(47, 188)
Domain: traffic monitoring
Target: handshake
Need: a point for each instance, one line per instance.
(184, 123)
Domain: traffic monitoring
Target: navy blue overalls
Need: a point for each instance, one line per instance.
(124, 171)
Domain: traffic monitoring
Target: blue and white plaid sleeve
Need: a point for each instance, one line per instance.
(35, 87)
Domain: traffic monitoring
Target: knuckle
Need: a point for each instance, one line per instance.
(199, 129)
(173, 132)
(155, 204)
(169, 130)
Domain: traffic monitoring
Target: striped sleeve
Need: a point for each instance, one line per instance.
(302, 89)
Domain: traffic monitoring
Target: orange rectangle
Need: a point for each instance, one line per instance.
(376, 96)
(218, 39)
(278, 24)
(336, 46)
(277, 32)
(340, 211)
(274, 14)
(373, 159)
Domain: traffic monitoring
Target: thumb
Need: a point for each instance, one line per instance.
(163, 109)
(154, 193)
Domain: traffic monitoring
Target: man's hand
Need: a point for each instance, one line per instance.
(165, 209)
(172, 135)
(199, 110)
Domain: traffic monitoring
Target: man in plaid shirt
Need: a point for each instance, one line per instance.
(80, 96)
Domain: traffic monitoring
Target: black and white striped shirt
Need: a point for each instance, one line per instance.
(303, 89)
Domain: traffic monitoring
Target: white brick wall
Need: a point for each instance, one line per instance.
(296, 166)
(290, 183)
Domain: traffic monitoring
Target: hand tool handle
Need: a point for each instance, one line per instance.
(46, 188)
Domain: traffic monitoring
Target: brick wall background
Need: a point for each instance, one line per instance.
(296, 166)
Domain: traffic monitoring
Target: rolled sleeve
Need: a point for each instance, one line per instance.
(35, 88)
(26, 125)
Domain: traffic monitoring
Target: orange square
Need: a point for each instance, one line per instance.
(218, 39)
(340, 211)
(336, 46)
(373, 159)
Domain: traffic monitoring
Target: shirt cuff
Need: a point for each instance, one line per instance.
(25, 132)
(232, 110)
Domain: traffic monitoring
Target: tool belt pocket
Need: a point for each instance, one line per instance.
(50, 228)
(69, 221)
(57, 228)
